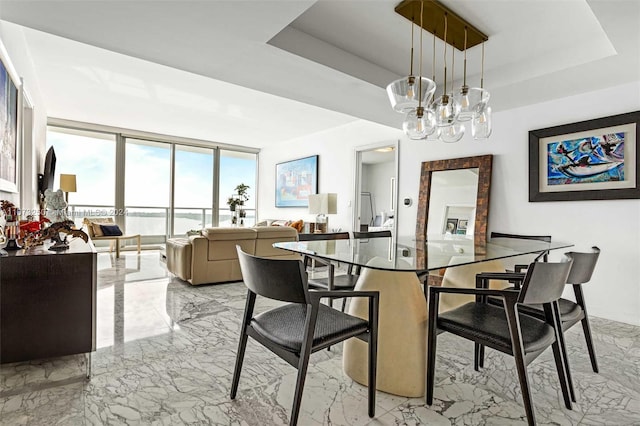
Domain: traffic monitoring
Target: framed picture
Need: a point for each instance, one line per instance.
(451, 226)
(590, 160)
(462, 225)
(8, 125)
(295, 181)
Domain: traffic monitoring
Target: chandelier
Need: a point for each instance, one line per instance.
(446, 116)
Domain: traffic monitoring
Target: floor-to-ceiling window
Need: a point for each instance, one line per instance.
(161, 187)
(147, 188)
(91, 156)
(193, 188)
(236, 168)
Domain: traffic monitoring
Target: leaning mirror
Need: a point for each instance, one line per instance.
(454, 198)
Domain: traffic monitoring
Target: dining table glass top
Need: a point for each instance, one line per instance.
(409, 254)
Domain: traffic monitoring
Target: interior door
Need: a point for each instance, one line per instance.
(375, 189)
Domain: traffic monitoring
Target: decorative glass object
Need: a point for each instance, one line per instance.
(472, 101)
(446, 110)
(452, 133)
(404, 93)
(419, 123)
(481, 124)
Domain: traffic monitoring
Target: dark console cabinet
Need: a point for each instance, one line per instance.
(47, 302)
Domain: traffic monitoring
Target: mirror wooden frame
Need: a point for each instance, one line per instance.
(484, 164)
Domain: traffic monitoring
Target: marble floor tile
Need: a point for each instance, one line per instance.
(167, 349)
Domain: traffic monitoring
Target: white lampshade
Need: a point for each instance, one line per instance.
(323, 203)
(68, 183)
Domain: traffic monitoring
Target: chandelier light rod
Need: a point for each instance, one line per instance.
(433, 13)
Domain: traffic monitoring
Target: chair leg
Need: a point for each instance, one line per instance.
(521, 366)
(560, 357)
(432, 339)
(577, 289)
(560, 367)
(587, 336)
(297, 396)
(239, 359)
(344, 304)
(242, 345)
(303, 362)
(478, 357)
(373, 356)
(563, 348)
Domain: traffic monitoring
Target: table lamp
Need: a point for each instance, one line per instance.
(67, 185)
(322, 205)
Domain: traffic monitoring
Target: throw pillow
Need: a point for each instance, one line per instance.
(298, 225)
(111, 230)
(97, 231)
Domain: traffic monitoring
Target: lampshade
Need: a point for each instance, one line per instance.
(323, 203)
(68, 183)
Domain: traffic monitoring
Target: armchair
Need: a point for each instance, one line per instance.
(302, 326)
(505, 328)
(332, 281)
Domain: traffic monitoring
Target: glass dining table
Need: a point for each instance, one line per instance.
(392, 266)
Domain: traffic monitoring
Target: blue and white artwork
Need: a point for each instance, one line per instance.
(295, 181)
(592, 159)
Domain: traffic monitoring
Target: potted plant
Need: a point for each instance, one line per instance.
(239, 198)
(233, 202)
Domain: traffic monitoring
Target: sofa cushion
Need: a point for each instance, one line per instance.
(267, 235)
(229, 234)
(226, 249)
(264, 232)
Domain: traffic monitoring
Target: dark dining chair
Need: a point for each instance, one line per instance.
(333, 281)
(302, 326)
(518, 268)
(545, 238)
(571, 312)
(343, 281)
(506, 328)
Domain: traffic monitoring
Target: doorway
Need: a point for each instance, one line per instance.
(375, 189)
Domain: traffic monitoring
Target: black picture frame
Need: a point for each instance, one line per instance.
(295, 181)
(570, 149)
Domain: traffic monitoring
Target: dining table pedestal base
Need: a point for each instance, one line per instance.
(402, 333)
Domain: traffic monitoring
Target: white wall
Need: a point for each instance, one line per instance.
(376, 178)
(336, 149)
(13, 40)
(614, 291)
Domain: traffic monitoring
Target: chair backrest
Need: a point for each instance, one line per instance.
(545, 281)
(283, 280)
(325, 236)
(374, 234)
(583, 265)
(545, 238)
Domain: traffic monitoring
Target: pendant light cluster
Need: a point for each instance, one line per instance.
(445, 117)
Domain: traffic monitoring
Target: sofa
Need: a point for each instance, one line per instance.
(211, 257)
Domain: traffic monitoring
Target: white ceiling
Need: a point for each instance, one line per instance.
(300, 67)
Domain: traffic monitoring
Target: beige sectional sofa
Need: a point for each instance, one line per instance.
(212, 258)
